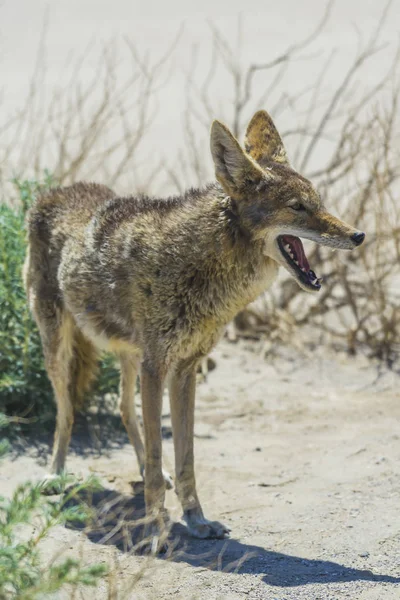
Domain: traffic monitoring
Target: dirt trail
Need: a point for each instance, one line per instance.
(299, 456)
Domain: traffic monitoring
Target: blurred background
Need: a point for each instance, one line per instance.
(124, 93)
(296, 434)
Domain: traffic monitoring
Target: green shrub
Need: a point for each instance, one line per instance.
(21, 573)
(24, 387)
(25, 520)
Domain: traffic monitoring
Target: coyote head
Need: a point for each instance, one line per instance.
(273, 202)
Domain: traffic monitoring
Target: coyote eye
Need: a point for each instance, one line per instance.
(297, 206)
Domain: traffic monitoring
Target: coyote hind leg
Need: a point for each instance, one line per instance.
(129, 371)
(58, 346)
(71, 364)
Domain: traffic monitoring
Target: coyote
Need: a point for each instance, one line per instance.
(155, 281)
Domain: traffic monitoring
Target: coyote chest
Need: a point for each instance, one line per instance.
(208, 315)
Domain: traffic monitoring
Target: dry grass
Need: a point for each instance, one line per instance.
(347, 142)
(345, 139)
(92, 125)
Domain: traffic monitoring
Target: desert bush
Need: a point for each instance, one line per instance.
(25, 520)
(87, 126)
(340, 130)
(24, 387)
(22, 575)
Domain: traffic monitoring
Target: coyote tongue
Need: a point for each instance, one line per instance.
(297, 250)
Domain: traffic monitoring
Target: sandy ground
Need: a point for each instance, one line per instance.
(300, 456)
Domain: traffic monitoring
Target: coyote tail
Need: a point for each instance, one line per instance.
(83, 369)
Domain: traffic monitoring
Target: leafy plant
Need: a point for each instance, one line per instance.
(24, 387)
(21, 573)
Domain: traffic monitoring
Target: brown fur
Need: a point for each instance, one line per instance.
(263, 141)
(156, 281)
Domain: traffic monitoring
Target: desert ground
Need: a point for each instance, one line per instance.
(298, 453)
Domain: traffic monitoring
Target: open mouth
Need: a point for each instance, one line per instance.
(292, 250)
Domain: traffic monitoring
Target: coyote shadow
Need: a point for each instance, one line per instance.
(97, 434)
(118, 522)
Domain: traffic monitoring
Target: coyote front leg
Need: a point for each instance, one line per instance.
(182, 387)
(152, 384)
(129, 371)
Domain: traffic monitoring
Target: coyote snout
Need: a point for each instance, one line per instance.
(156, 281)
(318, 226)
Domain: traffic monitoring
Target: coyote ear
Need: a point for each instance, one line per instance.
(263, 141)
(233, 168)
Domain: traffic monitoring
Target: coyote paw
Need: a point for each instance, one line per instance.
(153, 541)
(155, 535)
(201, 527)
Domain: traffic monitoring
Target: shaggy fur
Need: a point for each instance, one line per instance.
(155, 281)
